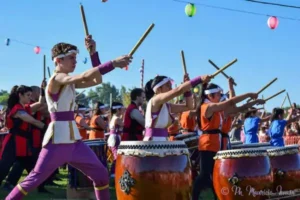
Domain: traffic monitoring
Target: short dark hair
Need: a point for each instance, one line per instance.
(136, 92)
(62, 48)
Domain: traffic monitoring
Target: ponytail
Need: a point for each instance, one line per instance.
(276, 112)
(149, 93)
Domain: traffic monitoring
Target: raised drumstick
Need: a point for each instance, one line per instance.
(265, 87)
(288, 97)
(271, 97)
(84, 20)
(44, 67)
(223, 68)
(283, 101)
(49, 74)
(215, 66)
(141, 40)
(183, 62)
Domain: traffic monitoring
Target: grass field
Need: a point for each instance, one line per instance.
(59, 192)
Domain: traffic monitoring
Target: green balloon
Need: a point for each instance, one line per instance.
(190, 10)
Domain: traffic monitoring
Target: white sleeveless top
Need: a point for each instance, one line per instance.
(162, 120)
(62, 132)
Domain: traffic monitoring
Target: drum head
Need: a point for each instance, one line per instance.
(186, 135)
(253, 145)
(96, 142)
(280, 151)
(236, 143)
(240, 153)
(152, 148)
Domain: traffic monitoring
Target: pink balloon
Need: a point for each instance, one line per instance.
(37, 49)
(273, 22)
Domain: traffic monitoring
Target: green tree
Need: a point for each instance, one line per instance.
(82, 98)
(102, 93)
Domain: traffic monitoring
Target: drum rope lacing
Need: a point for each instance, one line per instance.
(240, 153)
(283, 151)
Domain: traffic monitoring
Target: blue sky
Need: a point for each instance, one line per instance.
(219, 35)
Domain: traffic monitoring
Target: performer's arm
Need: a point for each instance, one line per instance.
(92, 76)
(23, 115)
(231, 88)
(234, 110)
(83, 124)
(137, 115)
(42, 101)
(91, 46)
(100, 122)
(162, 98)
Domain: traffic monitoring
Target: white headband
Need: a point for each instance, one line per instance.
(104, 106)
(164, 81)
(117, 107)
(82, 108)
(215, 90)
(223, 98)
(65, 55)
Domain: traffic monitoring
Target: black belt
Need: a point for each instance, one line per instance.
(223, 135)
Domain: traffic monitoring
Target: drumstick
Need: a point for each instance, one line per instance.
(265, 87)
(283, 101)
(141, 40)
(183, 62)
(271, 97)
(262, 97)
(44, 67)
(223, 68)
(49, 74)
(251, 110)
(288, 97)
(80, 93)
(213, 64)
(84, 20)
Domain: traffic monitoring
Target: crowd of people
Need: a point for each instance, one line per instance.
(46, 126)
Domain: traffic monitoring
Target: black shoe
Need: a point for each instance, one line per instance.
(43, 190)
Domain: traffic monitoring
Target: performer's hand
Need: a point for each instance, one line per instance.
(186, 77)
(253, 95)
(205, 78)
(290, 111)
(44, 84)
(260, 101)
(231, 81)
(90, 44)
(103, 1)
(122, 61)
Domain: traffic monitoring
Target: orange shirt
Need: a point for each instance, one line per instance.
(82, 131)
(209, 142)
(99, 132)
(187, 122)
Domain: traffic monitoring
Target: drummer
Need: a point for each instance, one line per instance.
(251, 126)
(188, 120)
(158, 113)
(210, 120)
(98, 122)
(278, 124)
(80, 121)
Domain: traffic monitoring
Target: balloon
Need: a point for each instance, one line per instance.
(273, 22)
(37, 49)
(190, 10)
(85, 60)
(196, 90)
(7, 41)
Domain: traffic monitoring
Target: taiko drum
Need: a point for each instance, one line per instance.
(153, 170)
(242, 174)
(285, 165)
(253, 145)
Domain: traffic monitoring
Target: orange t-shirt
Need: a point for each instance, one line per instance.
(209, 142)
(82, 131)
(186, 122)
(99, 132)
(226, 127)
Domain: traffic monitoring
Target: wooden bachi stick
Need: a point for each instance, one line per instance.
(49, 74)
(283, 101)
(141, 40)
(288, 97)
(80, 93)
(84, 20)
(265, 87)
(215, 66)
(223, 68)
(271, 97)
(44, 67)
(251, 110)
(183, 62)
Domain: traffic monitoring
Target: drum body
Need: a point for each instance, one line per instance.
(153, 170)
(242, 174)
(285, 164)
(253, 145)
(236, 143)
(76, 178)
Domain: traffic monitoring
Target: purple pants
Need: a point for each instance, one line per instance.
(114, 151)
(78, 155)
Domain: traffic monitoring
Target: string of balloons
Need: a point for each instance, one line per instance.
(273, 21)
(36, 49)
